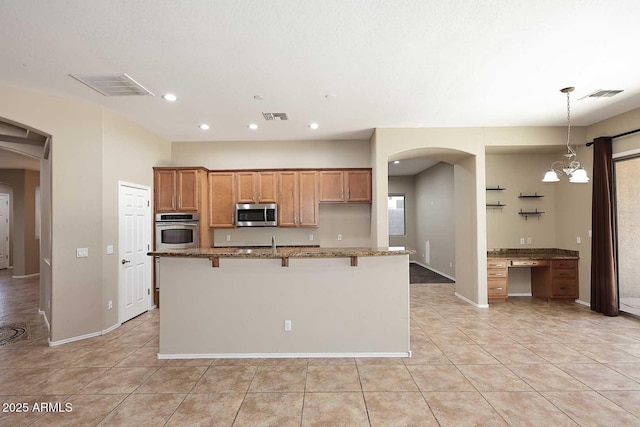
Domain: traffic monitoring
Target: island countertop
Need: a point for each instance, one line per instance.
(534, 253)
(282, 252)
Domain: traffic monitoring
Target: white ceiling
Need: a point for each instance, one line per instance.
(402, 63)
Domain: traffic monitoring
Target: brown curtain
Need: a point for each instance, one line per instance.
(604, 287)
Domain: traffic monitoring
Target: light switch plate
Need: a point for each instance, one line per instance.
(82, 252)
(109, 249)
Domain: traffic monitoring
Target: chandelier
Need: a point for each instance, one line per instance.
(570, 167)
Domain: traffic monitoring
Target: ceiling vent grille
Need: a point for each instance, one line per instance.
(113, 85)
(275, 116)
(603, 93)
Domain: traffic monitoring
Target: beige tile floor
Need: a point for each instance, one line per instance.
(522, 363)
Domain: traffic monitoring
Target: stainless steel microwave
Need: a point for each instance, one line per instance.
(256, 215)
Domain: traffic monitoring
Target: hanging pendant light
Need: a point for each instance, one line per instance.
(571, 167)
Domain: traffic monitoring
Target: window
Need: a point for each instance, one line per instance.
(395, 207)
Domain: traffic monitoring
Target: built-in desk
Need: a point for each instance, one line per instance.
(554, 272)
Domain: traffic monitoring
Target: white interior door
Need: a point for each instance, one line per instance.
(134, 242)
(4, 230)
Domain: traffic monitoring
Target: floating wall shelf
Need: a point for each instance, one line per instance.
(527, 214)
(530, 196)
(496, 188)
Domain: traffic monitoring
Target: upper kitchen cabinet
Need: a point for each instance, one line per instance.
(298, 199)
(222, 199)
(349, 185)
(256, 187)
(177, 189)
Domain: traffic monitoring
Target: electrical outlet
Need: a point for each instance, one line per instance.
(287, 325)
(339, 236)
(578, 240)
(522, 240)
(109, 249)
(228, 237)
(110, 304)
(590, 233)
(528, 240)
(450, 264)
(311, 237)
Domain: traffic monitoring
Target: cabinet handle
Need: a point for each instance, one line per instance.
(498, 289)
(348, 193)
(179, 202)
(173, 203)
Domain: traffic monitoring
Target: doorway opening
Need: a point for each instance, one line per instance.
(627, 205)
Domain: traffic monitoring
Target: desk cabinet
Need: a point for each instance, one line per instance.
(558, 282)
(497, 274)
(550, 278)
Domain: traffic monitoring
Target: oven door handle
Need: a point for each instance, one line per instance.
(174, 224)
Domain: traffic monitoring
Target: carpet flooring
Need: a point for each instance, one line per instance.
(419, 274)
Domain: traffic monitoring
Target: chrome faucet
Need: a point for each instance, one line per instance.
(273, 243)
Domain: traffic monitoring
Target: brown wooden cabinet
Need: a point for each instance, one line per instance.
(497, 274)
(298, 199)
(222, 199)
(177, 189)
(348, 185)
(558, 282)
(256, 187)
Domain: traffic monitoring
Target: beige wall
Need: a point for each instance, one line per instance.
(129, 154)
(520, 174)
(435, 213)
(78, 169)
(405, 185)
(25, 248)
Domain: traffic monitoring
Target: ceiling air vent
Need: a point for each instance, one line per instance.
(113, 85)
(275, 116)
(603, 93)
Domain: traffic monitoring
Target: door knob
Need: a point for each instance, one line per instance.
(124, 261)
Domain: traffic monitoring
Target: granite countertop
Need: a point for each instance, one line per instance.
(531, 253)
(282, 252)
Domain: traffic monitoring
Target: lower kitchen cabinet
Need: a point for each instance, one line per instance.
(558, 282)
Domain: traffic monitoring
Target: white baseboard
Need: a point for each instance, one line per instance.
(46, 321)
(278, 355)
(433, 269)
(475, 304)
(73, 339)
(583, 303)
(521, 294)
(26, 276)
(106, 331)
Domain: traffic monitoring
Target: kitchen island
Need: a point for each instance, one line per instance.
(284, 302)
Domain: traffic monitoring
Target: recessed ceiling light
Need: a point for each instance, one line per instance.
(330, 96)
(395, 162)
(314, 126)
(258, 97)
(253, 126)
(204, 126)
(169, 97)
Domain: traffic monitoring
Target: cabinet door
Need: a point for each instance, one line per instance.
(187, 191)
(358, 186)
(267, 188)
(221, 199)
(246, 187)
(308, 199)
(332, 186)
(165, 190)
(288, 199)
